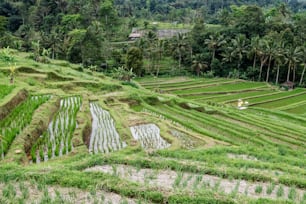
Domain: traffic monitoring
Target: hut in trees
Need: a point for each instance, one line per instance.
(288, 85)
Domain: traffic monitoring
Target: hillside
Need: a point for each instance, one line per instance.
(70, 135)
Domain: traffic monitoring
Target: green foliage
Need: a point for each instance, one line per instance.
(3, 24)
(134, 61)
(6, 55)
(124, 74)
(129, 83)
(5, 90)
(93, 41)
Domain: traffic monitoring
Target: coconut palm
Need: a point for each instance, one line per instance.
(179, 45)
(214, 43)
(270, 52)
(304, 63)
(279, 59)
(160, 49)
(263, 56)
(254, 49)
(239, 48)
(197, 65)
(292, 55)
(227, 55)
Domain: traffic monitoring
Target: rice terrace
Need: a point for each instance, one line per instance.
(171, 140)
(153, 102)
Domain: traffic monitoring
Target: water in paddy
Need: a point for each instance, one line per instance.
(104, 137)
(149, 136)
(56, 141)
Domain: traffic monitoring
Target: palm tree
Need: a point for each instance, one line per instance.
(279, 59)
(270, 52)
(227, 55)
(292, 58)
(239, 48)
(213, 43)
(197, 65)
(254, 49)
(161, 48)
(263, 56)
(304, 62)
(178, 46)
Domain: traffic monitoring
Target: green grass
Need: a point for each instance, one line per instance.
(275, 96)
(233, 97)
(284, 102)
(222, 88)
(300, 109)
(5, 90)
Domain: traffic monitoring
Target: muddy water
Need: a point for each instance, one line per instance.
(104, 137)
(149, 136)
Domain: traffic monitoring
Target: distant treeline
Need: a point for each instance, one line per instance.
(256, 40)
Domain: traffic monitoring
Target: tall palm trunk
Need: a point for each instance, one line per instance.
(268, 71)
(213, 55)
(180, 60)
(262, 63)
(302, 76)
(288, 73)
(293, 77)
(277, 74)
(254, 62)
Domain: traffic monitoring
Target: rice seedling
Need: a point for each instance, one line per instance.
(59, 198)
(149, 136)
(217, 185)
(185, 183)
(17, 120)
(56, 141)
(178, 180)
(46, 197)
(280, 191)
(235, 190)
(9, 191)
(270, 188)
(104, 136)
(24, 190)
(292, 193)
(124, 201)
(258, 189)
(246, 191)
(198, 180)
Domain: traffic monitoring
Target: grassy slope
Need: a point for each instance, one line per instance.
(217, 132)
